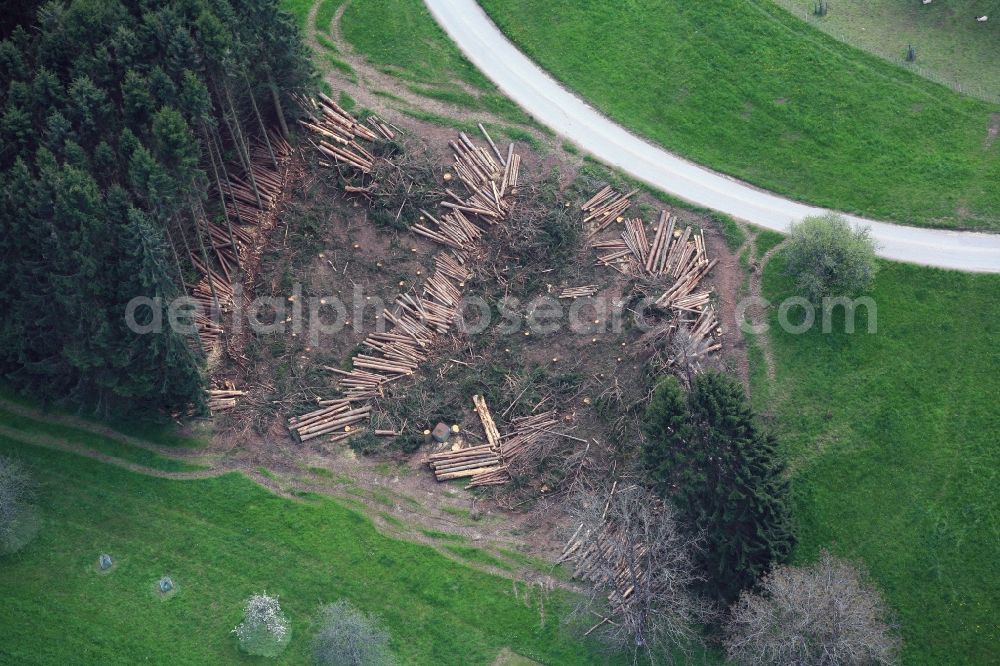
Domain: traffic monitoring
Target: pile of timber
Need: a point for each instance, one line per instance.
(336, 418)
(490, 182)
(250, 202)
(702, 330)
(487, 464)
(672, 253)
(338, 134)
(453, 229)
(222, 399)
(524, 435)
(250, 207)
(417, 322)
(486, 418)
(382, 127)
(474, 461)
(578, 292)
(605, 207)
(604, 558)
(453, 266)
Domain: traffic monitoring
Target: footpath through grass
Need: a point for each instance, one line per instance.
(894, 445)
(221, 540)
(401, 38)
(744, 87)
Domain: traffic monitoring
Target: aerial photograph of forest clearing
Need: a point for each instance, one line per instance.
(501, 332)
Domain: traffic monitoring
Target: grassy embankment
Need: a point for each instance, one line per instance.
(951, 46)
(893, 443)
(222, 539)
(748, 89)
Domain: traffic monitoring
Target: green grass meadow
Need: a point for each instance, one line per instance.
(225, 538)
(401, 37)
(951, 46)
(893, 440)
(744, 87)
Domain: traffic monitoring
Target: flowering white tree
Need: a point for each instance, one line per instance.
(264, 631)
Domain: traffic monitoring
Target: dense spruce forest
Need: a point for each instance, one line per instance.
(128, 134)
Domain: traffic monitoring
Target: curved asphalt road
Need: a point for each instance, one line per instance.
(552, 105)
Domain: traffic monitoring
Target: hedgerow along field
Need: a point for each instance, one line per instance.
(744, 87)
(892, 439)
(221, 540)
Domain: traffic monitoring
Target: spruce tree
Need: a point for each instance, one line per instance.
(708, 455)
(110, 117)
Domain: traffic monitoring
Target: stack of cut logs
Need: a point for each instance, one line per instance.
(672, 253)
(490, 182)
(251, 207)
(487, 464)
(578, 292)
(604, 208)
(381, 127)
(474, 461)
(417, 322)
(524, 435)
(335, 417)
(338, 133)
(587, 552)
(453, 229)
(222, 399)
(483, 463)
(452, 266)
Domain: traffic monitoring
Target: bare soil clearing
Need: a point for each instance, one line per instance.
(339, 250)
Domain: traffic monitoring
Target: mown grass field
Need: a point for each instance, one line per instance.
(221, 540)
(951, 45)
(746, 88)
(893, 439)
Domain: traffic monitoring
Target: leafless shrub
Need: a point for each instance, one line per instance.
(674, 349)
(347, 637)
(18, 520)
(621, 406)
(539, 238)
(628, 545)
(823, 614)
(405, 178)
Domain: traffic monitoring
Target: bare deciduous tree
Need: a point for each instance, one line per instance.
(628, 545)
(823, 614)
(17, 515)
(347, 637)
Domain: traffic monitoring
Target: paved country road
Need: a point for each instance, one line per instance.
(553, 105)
